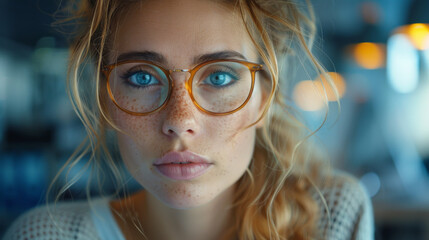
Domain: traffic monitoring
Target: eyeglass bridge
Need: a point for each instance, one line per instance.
(178, 70)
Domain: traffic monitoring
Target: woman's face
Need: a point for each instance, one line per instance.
(180, 32)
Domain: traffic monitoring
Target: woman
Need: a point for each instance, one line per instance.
(189, 92)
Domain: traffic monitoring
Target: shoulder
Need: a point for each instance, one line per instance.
(345, 208)
(71, 220)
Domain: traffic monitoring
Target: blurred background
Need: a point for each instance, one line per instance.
(379, 51)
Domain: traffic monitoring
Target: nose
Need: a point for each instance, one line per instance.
(180, 119)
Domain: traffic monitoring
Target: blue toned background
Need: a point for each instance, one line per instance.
(379, 49)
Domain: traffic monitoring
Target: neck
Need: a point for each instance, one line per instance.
(209, 221)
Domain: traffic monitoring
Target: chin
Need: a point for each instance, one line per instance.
(183, 196)
(183, 203)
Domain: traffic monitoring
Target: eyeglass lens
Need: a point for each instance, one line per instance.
(217, 87)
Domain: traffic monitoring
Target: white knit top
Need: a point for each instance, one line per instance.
(351, 217)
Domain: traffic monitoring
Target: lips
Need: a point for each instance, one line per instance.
(182, 165)
(180, 157)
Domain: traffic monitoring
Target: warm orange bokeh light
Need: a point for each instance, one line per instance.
(307, 96)
(310, 95)
(419, 35)
(370, 55)
(338, 82)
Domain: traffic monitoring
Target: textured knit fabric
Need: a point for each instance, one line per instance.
(348, 216)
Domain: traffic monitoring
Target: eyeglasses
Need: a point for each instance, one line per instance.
(217, 87)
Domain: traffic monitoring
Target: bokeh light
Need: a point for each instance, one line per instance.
(310, 95)
(370, 55)
(418, 33)
(402, 64)
(307, 96)
(372, 183)
(370, 12)
(338, 82)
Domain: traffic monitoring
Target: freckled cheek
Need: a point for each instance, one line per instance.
(130, 124)
(233, 157)
(229, 138)
(229, 125)
(140, 102)
(138, 131)
(127, 102)
(232, 143)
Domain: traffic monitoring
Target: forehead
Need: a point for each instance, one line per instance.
(180, 30)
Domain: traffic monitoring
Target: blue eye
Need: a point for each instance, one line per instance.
(142, 79)
(220, 79)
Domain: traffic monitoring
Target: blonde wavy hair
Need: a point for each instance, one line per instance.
(275, 198)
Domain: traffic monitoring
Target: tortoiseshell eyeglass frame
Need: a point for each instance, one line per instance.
(253, 68)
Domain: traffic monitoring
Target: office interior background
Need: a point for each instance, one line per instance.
(377, 53)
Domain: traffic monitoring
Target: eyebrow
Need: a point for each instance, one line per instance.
(160, 59)
(145, 55)
(218, 55)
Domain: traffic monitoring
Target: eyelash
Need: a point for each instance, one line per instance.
(229, 71)
(125, 76)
